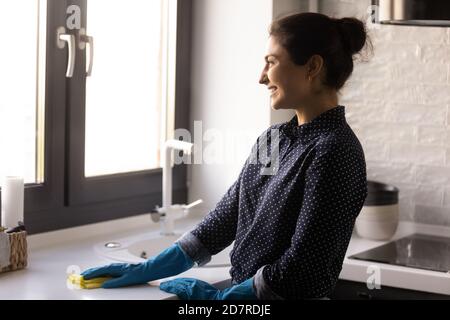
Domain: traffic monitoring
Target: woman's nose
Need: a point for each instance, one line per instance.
(263, 79)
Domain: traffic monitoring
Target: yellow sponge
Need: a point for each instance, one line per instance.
(79, 281)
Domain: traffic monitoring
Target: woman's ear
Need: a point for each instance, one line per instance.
(314, 66)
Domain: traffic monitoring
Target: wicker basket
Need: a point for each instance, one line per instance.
(18, 256)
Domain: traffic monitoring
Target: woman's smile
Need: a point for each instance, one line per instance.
(272, 90)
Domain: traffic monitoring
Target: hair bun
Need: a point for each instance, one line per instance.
(353, 32)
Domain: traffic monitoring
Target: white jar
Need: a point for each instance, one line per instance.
(379, 217)
(377, 222)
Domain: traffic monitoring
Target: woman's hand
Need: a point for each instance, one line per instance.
(170, 262)
(124, 274)
(193, 289)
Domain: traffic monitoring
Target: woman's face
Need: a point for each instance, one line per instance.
(288, 83)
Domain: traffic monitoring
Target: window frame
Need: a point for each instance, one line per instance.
(66, 199)
(38, 196)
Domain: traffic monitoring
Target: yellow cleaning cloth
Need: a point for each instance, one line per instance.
(79, 281)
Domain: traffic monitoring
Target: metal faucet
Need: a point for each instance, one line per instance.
(169, 212)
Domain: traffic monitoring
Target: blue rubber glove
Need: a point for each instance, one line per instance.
(193, 289)
(170, 262)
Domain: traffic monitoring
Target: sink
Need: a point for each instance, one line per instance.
(138, 248)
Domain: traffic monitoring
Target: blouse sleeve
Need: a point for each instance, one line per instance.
(218, 229)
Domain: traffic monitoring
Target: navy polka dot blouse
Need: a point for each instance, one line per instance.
(292, 210)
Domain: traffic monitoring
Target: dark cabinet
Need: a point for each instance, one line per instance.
(350, 290)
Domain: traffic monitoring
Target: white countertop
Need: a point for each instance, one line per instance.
(55, 254)
(52, 256)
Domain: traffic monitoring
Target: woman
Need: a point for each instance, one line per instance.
(292, 228)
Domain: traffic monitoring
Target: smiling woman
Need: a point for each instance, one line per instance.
(291, 228)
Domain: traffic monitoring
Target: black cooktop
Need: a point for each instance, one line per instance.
(415, 251)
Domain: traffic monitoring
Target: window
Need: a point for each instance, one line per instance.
(20, 107)
(123, 100)
(101, 111)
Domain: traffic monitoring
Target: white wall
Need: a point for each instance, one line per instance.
(229, 44)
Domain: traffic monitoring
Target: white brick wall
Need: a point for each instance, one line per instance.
(398, 104)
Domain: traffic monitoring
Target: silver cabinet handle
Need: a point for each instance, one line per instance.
(61, 39)
(88, 41)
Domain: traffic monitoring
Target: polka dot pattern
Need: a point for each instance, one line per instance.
(297, 223)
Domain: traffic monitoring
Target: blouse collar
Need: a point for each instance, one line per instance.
(325, 122)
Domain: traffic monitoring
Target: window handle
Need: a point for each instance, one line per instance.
(61, 39)
(88, 41)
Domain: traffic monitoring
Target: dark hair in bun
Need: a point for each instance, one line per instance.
(353, 32)
(337, 41)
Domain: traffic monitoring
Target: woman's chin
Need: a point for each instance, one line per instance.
(277, 106)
